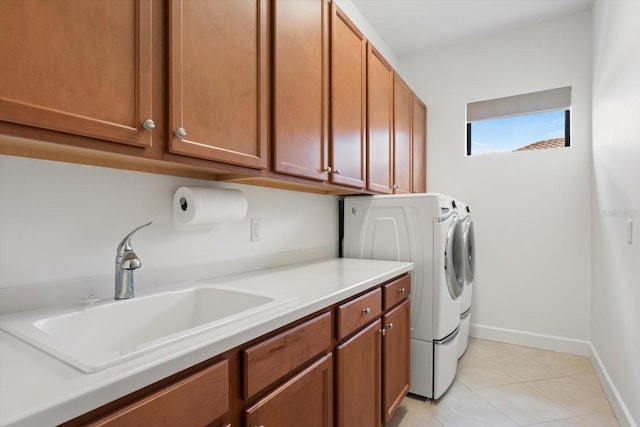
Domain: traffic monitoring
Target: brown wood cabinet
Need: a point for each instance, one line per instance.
(218, 80)
(402, 152)
(419, 146)
(304, 400)
(225, 89)
(198, 400)
(83, 68)
(373, 366)
(301, 88)
(271, 360)
(358, 379)
(348, 101)
(380, 123)
(396, 351)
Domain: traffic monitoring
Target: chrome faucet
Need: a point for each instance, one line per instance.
(126, 262)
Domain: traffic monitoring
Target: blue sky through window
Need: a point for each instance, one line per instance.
(510, 133)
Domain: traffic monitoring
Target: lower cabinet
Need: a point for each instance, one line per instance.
(358, 379)
(304, 400)
(198, 400)
(347, 365)
(396, 367)
(373, 365)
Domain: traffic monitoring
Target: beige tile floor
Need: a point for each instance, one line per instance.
(508, 385)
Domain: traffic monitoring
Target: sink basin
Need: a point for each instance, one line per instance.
(95, 337)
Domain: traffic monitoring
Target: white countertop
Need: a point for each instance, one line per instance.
(39, 390)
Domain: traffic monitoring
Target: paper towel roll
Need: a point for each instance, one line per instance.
(199, 205)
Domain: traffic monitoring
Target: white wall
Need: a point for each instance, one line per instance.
(63, 221)
(615, 307)
(531, 209)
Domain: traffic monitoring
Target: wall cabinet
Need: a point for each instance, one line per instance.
(225, 89)
(79, 68)
(348, 101)
(419, 145)
(402, 153)
(301, 88)
(218, 81)
(380, 123)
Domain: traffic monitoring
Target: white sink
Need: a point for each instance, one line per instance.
(95, 337)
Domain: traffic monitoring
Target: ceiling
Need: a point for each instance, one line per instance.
(412, 25)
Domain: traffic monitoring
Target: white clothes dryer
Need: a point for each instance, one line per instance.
(465, 259)
(419, 228)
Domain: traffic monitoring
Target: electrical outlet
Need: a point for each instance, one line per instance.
(256, 232)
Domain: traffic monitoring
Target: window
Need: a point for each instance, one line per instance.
(532, 121)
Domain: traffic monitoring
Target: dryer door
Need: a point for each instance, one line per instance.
(469, 252)
(454, 276)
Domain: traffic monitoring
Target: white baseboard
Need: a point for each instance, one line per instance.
(530, 339)
(615, 400)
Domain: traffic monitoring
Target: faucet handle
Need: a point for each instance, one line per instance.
(130, 261)
(125, 244)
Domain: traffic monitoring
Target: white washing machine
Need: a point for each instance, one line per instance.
(419, 228)
(465, 262)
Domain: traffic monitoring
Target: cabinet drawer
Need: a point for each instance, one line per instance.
(396, 291)
(304, 400)
(197, 400)
(271, 360)
(358, 312)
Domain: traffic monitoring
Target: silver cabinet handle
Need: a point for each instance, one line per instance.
(402, 290)
(181, 133)
(396, 186)
(337, 171)
(389, 326)
(366, 310)
(383, 331)
(149, 124)
(327, 169)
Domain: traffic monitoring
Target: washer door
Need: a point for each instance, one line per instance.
(469, 252)
(452, 263)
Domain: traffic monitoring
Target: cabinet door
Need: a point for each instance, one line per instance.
(380, 123)
(358, 379)
(300, 88)
(395, 359)
(218, 80)
(348, 101)
(419, 144)
(402, 102)
(82, 68)
(305, 400)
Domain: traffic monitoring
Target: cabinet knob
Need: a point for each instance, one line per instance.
(396, 186)
(389, 326)
(366, 310)
(181, 133)
(402, 290)
(383, 331)
(327, 169)
(337, 171)
(149, 124)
